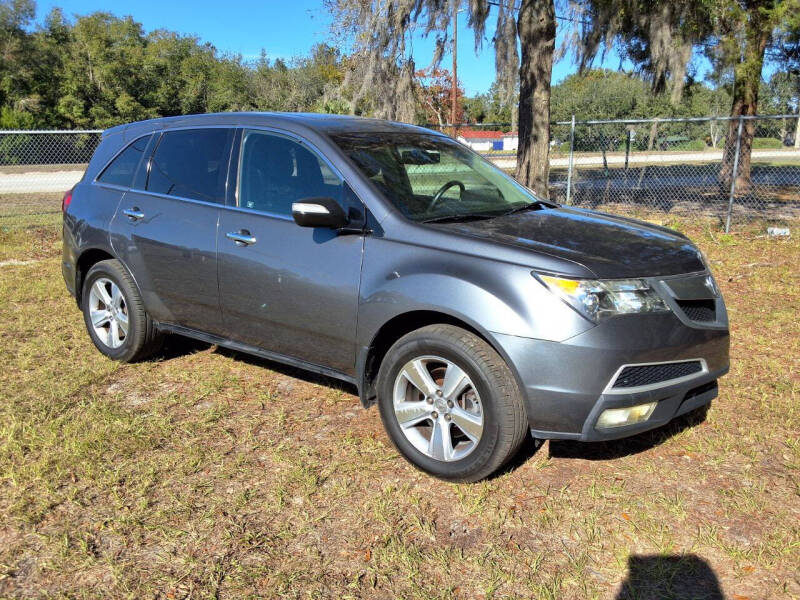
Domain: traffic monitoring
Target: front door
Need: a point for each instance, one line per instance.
(285, 288)
(165, 228)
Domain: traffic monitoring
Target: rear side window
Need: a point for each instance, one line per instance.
(191, 163)
(123, 167)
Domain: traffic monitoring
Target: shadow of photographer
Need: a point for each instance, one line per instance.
(657, 577)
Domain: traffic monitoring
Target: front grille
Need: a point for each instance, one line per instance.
(639, 375)
(703, 311)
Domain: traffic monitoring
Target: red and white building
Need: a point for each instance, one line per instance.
(484, 140)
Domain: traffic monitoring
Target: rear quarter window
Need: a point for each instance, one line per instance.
(191, 163)
(122, 169)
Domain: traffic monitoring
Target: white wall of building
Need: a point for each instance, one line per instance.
(479, 145)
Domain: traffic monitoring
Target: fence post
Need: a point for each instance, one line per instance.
(571, 152)
(734, 174)
(627, 149)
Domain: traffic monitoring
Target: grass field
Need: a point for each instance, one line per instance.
(209, 474)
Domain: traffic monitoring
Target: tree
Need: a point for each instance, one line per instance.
(303, 84)
(537, 35)
(17, 59)
(381, 72)
(745, 31)
(436, 93)
(782, 94)
(494, 106)
(735, 34)
(601, 94)
(657, 37)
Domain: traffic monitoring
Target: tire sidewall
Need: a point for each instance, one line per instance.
(395, 359)
(128, 347)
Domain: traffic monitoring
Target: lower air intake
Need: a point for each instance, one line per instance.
(639, 375)
(702, 311)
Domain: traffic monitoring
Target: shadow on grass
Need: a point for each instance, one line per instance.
(627, 446)
(653, 577)
(288, 370)
(527, 450)
(176, 346)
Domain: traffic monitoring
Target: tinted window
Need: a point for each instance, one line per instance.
(191, 163)
(276, 171)
(123, 167)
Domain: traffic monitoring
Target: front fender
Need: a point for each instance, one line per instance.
(490, 295)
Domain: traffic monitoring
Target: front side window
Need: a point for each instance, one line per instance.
(122, 169)
(429, 177)
(191, 163)
(275, 171)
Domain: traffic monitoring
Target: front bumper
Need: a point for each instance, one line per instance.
(567, 384)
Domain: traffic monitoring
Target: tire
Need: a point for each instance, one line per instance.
(491, 396)
(121, 302)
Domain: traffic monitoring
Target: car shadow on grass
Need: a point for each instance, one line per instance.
(176, 346)
(627, 446)
(288, 370)
(653, 577)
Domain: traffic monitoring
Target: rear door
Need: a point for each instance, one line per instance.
(286, 288)
(165, 229)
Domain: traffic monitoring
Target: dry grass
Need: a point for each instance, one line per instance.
(209, 474)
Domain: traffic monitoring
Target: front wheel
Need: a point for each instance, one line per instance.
(450, 403)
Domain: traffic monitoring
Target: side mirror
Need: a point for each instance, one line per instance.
(319, 212)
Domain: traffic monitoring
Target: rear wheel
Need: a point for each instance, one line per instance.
(450, 403)
(114, 314)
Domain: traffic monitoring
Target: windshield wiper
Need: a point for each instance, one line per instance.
(458, 217)
(536, 205)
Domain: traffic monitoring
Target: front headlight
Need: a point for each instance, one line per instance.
(600, 298)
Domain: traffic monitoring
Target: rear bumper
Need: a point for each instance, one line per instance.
(567, 384)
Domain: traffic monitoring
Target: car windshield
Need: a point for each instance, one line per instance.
(433, 178)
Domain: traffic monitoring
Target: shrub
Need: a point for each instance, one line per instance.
(694, 145)
(767, 143)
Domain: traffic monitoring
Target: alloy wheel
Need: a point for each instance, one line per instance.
(108, 312)
(438, 408)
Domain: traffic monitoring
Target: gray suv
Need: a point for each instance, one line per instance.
(393, 258)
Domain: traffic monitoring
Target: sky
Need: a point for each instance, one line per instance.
(285, 29)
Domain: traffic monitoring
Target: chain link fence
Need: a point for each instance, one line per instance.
(683, 167)
(677, 167)
(36, 168)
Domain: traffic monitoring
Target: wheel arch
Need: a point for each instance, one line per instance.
(87, 259)
(372, 356)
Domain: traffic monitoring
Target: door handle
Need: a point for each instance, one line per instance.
(241, 237)
(134, 214)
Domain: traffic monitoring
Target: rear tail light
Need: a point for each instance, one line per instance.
(66, 200)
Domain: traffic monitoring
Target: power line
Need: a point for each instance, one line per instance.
(518, 5)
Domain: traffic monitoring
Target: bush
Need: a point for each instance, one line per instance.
(762, 143)
(694, 145)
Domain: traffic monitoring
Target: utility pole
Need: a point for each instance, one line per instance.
(454, 92)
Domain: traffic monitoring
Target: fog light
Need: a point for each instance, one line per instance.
(617, 417)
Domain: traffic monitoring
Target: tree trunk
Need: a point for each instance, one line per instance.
(746, 80)
(537, 33)
(797, 134)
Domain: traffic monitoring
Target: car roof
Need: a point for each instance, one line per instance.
(316, 122)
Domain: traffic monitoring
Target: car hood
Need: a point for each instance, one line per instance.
(607, 245)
